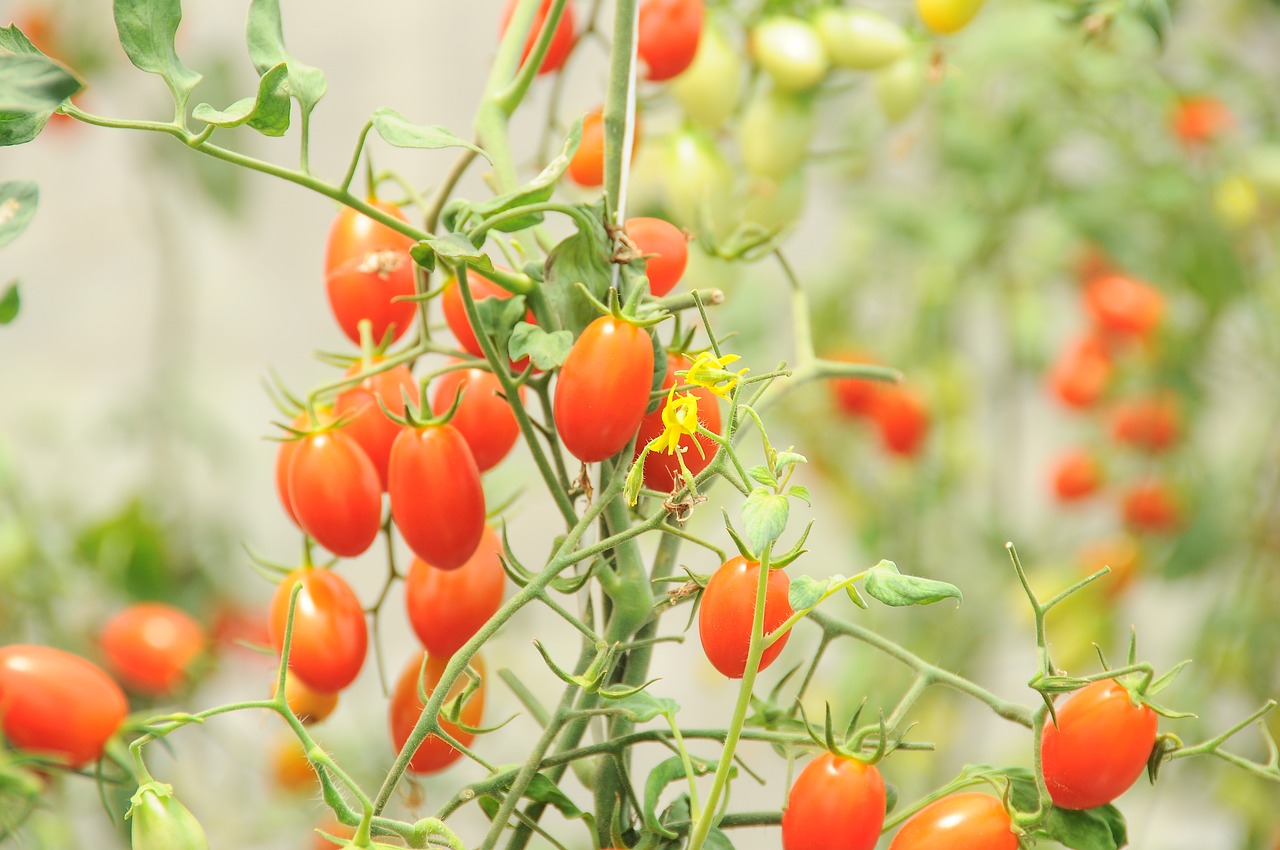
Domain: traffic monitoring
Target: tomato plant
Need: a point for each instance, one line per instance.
(366, 421)
(667, 36)
(860, 38)
(151, 646)
(1081, 373)
(367, 267)
(666, 252)
(306, 703)
(434, 754)
(1150, 505)
(902, 418)
(483, 418)
(960, 820)
(661, 468)
(329, 638)
(335, 492)
(789, 50)
(1076, 475)
(1147, 423)
(727, 609)
(1123, 305)
(836, 803)
(447, 607)
(948, 16)
(603, 389)
(437, 501)
(455, 313)
(562, 40)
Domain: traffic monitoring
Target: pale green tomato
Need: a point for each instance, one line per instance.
(709, 90)
(161, 822)
(900, 88)
(790, 52)
(699, 183)
(860, 38)
(775, 133)
(647, 183)
(773, 203)
(947, 16)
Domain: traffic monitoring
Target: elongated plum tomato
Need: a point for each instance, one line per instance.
(335, 492)
(561, 41)
(306, 703)
(150, 646)
(58, 704)
(433, 755)
(667, 36)
(789, 50)
(662, 470)
(1076, 475)
(1080, 375)
(947, 16)
(455, 312)
(284, 456)
(447, 607)
(586, 166)
(902, 418)
(484, 417)
(1099, 746)
(367, 423)
(603, 389)
(836, 803)
(667, 249)
(709, 89)
(860, 38)
(728, 608)
(437, 500)
(367, 264)
(329, 633)
(969, 820)
(1122, 305)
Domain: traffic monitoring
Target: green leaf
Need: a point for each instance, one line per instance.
(268, 113)
(667, 772)
(891, 587)
(10, 302)
(498, 316)
(805, 591)
(717, 840)
(18, 128)
(782, 460)
(14, 40)
(31, 84)
(764, 517)
(265, 34)
(396, 130)
(762, 475)
(542, 790)
(545, 350)
(645, 707)
(800, 492)
(1102, 828)
(18, 201)
(581, 258)
(454, 248)
(147, 31)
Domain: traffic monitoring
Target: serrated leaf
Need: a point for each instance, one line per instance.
(265, 35)
(268, 112)
(799, 491)
(805, 591)
(148, 30)
(762, 475)
(764, 518)
(10, 303)
(788, 458)
(645, 707)
(545, 350)
(33, 84)
(885, 584)
(397, 130)
(18, 202)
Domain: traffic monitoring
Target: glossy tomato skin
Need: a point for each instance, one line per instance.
(586, 166)
(728, 608)
(902, 418)
(789, 50)
(561, 42)
(57, 703)
(1076, 475)
(437, 500)
(1099, 747)
(447, 607)
(971, 821)
(484, 417)
(662, 470)
(948, 16)
(335, 492)
(836, 803)
(284, 457)
(307, 704)
(367, 264)
(603, 389)
(667, 249)
(434, 754)
(1122, 305)
(455, 313)
(367, 423)
(150, 646)
(330, 637)
(667, 36)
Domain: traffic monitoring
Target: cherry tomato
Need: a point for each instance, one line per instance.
(367, 424)
(1150, 506)
(947, 16)
(447, 607)
(860, 38)
(367, 264)
(667, 36)
(709, 89)
(307, 704)
(1122, 305)
(1200, 120)
(329, 632)
(150, 647)
(728, 608)
(291, 769)
(698, 186)
(972, 821)
(789, 51)
(603, 389)
(836, 803)
(1076, 475)
(58, 704)
(455, 312)
(586, 166)
(669, 250)
(900, 87)
(335, 492)
(1081, 373)
(561, 42)
(437, 500)
(1120, 553)
(1146, 423)
(662, 470)
(433, 755)
(284, 457)
(484, 417)
(1099, 746)
(902, 418)
(775, 133)
(854, 397)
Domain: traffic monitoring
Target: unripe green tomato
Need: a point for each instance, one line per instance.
(790, 52)
(699, 183)
(775, 133)
(161, 822)
(860, 38)
(947, 16)
(709, 90)
(900, 88)
(773, 203)
(647, 184)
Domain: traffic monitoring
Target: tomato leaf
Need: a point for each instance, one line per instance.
(18, 202)
(544, 350)
(9, 304)
(581, 258)
(1102, 828)
(265, 35)
(785, 459)
(34, 84)
(800, 492)
(764, 517)
(645, 707)
(453, 248)
(268, 112)
(397, 130)
(892, 588)
(762, 475)
(14, 40)
(147, 30)
(806, 591)
(717, 840)
(667, 772)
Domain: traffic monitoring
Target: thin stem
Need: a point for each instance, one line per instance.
(355, 157)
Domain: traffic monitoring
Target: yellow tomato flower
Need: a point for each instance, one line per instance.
(679, 417)
(709, 372)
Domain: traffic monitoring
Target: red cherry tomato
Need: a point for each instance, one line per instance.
(437, 500)
(1200, 120)
(58, 704)
(836, 803)
(1099, 747)
(284, 457)
(335, 492)
(367, 424)
(603, 389)
(367, 264)
(669, 248)
(447, 607)
(902, 418)
(667, 36)
(1076, 475)
(854, 397)
(1080, 375)
(728, 608)
(561, 42)
(1122, 305)
(307, 704)
(150, 646)
(969, 820)
(586, 167)
(433, 755)
(455, 313)
(484, 417)
(1150, 506)
(329, 632)
(1146, 423)
(662, 470)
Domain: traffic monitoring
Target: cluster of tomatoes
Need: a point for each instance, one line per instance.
(898, 412)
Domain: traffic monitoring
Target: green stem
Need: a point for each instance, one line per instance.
(618, 105)
(355, 157)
